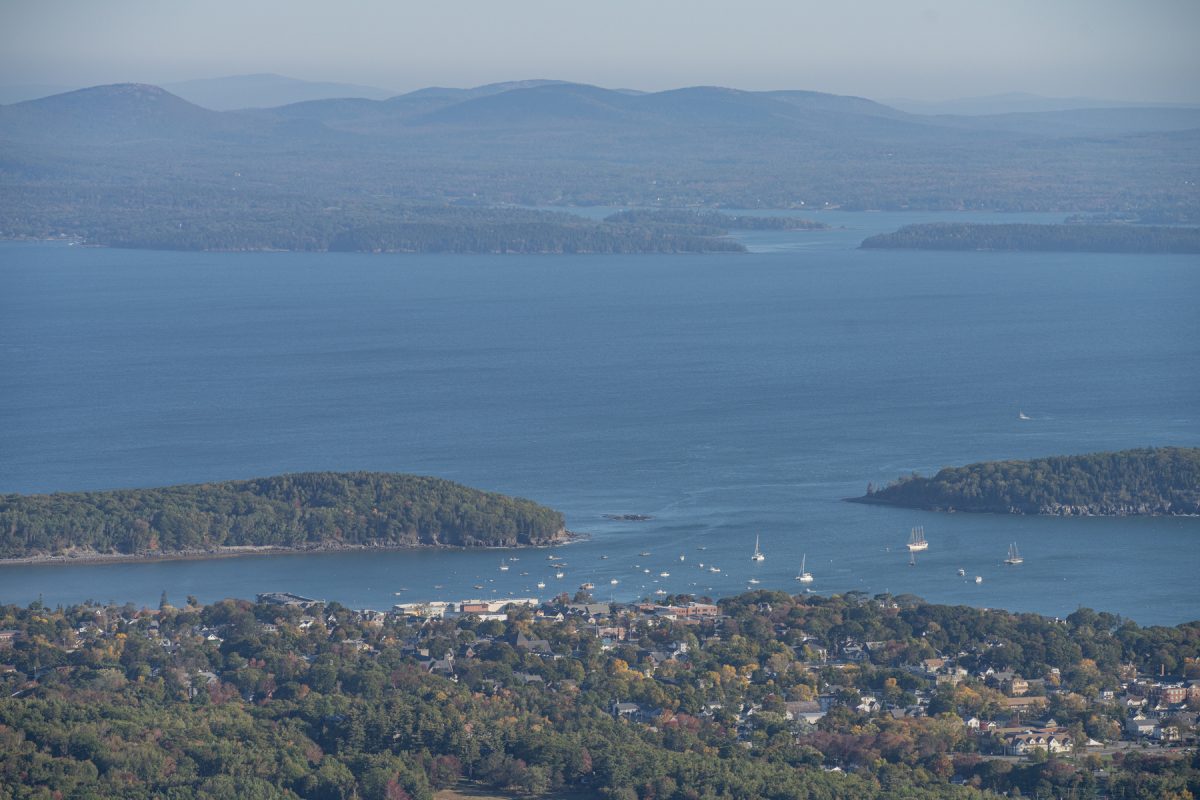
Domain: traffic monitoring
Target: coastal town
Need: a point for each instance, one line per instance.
(848, 684)
(1156, 709)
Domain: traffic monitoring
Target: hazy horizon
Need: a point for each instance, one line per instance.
(930, 52)
(49, 89)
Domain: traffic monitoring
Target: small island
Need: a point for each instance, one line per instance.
(1073, 238)
(1153, 481)
(303, 511)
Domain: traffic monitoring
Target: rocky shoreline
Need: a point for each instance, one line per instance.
(1054, 510)
(237, 551)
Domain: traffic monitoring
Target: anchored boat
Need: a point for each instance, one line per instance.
(916, 539)
(805, 576)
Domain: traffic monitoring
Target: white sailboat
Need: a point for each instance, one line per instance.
(805, 576)
(758, 554)
(916, 539)
(503, 565)
(1014, 557)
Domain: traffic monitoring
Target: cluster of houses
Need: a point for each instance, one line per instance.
(1020, 727)
(1153, 709)
(1161, 710)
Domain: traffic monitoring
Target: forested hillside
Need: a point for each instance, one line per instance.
(305, 510)
(1164, 480)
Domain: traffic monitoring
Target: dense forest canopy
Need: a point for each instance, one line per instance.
(1163, 480)
(1077, 238)
(303, 510)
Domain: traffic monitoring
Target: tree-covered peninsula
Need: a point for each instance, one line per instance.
(1151, 481)
(1063, 238)
(313, 510)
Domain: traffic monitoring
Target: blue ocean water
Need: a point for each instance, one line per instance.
(727, 396)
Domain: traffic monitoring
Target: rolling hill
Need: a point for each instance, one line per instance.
(124, 113)
(266, 90)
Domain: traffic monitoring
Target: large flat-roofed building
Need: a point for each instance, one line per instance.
(286, 599)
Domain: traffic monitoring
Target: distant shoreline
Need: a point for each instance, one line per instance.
(1040, 238)
(732, 250)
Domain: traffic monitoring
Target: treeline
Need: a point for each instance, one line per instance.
(1164, 480)
(1066, 238)
(200, 221)
(304, 510)
(532, 237)
(713, 221)
(254, 701)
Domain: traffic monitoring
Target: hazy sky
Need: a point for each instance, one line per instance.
(923, 49)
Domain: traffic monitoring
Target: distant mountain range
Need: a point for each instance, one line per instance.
(146, 110)
(268, 90)
(130, 155)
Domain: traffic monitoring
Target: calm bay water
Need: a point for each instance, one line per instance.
(725, 395)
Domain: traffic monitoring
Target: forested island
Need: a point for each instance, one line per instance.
(372, 227)
(765, 695)
(1073, 238)
(313, 510)
(1151, 481)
